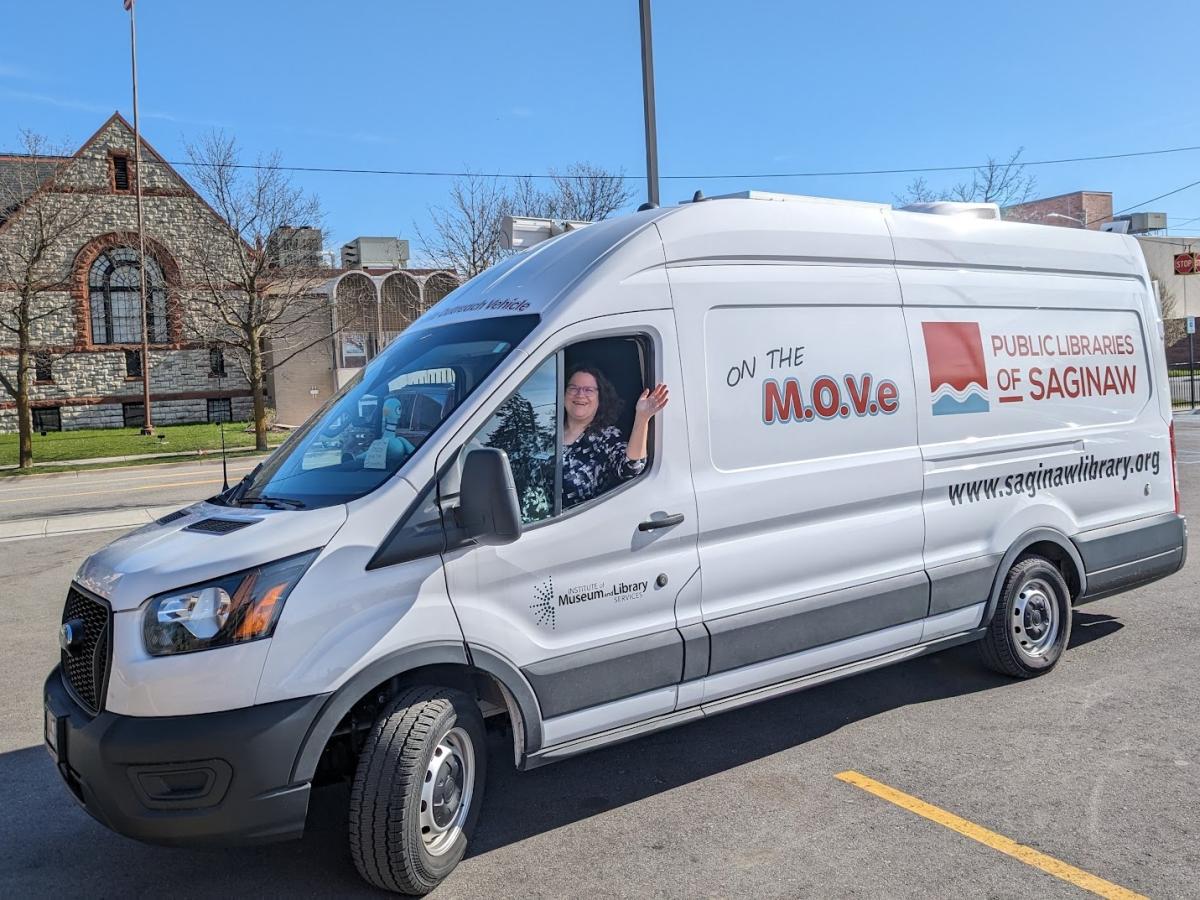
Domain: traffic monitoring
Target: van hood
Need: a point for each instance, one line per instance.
(201, 542)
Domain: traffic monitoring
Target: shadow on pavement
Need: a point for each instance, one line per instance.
(48, 846)
(1087, 627)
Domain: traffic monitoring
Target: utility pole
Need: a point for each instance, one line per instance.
(147, 422)
(648, 101)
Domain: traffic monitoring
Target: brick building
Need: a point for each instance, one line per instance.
(1078, 209)
(89, 371)
(1180, 294)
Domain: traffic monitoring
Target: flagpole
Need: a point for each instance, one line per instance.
(147, 421)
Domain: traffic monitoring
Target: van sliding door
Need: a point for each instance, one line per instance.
(808, 474)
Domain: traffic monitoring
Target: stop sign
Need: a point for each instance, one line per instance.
(1185, 263)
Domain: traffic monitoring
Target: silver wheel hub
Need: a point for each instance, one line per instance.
(1035, 622)
(447, 791)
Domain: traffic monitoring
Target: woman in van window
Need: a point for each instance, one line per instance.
(594, 457)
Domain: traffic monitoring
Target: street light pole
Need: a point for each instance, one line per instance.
(147, 421)
(648, 101)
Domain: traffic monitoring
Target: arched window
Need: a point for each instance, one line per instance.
(437, 286)
(115, 300)
(400, 303)
(358, 320)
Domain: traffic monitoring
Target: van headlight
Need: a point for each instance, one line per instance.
(235, 609)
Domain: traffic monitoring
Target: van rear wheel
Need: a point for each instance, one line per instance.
(1032, 623)
(417, 790)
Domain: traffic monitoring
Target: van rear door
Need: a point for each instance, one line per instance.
(1037, 410)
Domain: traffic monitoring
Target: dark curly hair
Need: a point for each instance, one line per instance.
(608, 409)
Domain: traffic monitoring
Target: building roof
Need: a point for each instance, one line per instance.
(21, 175)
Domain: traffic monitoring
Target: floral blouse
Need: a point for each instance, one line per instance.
(595, 463)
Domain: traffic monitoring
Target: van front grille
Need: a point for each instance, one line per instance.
(85, 664)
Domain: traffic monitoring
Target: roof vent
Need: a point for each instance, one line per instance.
(948, 208)
(220, 526)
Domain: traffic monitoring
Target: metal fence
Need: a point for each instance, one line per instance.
(1185, 386)
(1183, 364)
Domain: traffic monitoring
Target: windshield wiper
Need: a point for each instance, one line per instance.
(273, 502)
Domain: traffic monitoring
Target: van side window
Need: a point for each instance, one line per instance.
(566, 428)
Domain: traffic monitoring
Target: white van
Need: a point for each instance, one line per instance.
(888, 433)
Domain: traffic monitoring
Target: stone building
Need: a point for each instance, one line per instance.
(89, 371)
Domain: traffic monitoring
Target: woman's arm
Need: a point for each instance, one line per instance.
(648, 405)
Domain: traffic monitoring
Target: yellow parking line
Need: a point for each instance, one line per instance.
(1027, 855)
(125, 490)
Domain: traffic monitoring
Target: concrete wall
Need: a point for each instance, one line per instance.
(291, 386)
(1160, 259)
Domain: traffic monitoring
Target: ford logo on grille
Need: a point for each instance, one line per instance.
(70, 636)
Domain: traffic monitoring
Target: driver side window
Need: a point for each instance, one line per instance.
(567, 429)
(525, 427)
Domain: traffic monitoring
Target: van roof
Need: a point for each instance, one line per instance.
(764, 229)
(788, 228)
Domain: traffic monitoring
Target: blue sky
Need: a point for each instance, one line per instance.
(742, 87)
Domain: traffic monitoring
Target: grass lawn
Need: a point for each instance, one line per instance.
(99, 442)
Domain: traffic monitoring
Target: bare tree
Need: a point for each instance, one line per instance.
(1174, 326)
(589, 193)
(36, 224)
(261, 304)
(466, 232)
(1001, 182)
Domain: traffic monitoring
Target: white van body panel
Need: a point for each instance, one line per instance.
(158, 558)
(343, 616)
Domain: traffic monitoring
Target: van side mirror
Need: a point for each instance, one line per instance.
(489, 510)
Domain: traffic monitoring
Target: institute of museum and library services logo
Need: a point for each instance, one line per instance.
(958, 378)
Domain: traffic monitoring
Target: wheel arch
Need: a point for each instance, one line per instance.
(445, 664)
(1047, 542)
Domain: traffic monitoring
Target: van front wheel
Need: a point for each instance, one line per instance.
(417, 790)
(1032, 623)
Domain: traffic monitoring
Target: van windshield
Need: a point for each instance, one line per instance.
(366, 432)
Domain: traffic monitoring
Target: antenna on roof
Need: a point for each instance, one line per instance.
(698, 197)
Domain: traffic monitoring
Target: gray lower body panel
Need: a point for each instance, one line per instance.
(649, 726)
(615, 671)
(761, 634)
(1121, 557)
(962, 584)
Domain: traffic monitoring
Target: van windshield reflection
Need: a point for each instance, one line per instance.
(373, 426)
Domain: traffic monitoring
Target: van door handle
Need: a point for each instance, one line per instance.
(664, 522)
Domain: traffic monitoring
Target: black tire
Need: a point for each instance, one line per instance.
(1019, 640)
(386, 807)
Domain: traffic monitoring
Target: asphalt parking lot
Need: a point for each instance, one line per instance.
(1095, 766)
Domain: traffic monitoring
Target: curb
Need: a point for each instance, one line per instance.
(82, 467)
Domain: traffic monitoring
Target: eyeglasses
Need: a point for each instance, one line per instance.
(579, 390)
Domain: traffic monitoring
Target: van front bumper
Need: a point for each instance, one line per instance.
(221, 778)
